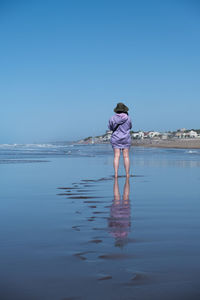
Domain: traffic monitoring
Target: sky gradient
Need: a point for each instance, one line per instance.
(65, 65)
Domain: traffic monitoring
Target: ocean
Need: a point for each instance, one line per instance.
(69, 230)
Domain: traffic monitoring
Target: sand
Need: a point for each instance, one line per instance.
(170, 143)
(69, 230)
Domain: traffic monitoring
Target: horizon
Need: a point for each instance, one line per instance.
(65, 66)
(93, 136)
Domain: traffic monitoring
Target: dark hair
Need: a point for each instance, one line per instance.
(122, 112)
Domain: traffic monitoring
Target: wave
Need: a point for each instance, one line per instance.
(35, 146)
(20, 161)
(192, 152)
(42, 150)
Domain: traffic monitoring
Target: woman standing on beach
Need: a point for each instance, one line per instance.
(120, 124)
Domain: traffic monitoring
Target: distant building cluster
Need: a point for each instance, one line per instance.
(183, 133)
(179, 134)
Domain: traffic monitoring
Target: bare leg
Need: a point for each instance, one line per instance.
(126, 191)
(116, 161)
(116, 191)
(126, 161)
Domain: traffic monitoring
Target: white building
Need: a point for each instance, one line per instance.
(192, 134)
(107, 136)
(138, 135)
(153, 134)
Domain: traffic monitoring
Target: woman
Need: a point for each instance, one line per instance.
(121, 124)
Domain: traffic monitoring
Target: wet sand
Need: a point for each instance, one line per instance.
(95, 237)
(117, 215)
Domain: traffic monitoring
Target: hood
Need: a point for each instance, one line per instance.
(120, 118)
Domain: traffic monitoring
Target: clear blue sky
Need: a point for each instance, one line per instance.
(65, 64)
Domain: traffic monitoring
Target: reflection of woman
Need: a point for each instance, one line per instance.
(119, 221)
(120, 124)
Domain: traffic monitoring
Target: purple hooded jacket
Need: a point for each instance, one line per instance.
(121, 137)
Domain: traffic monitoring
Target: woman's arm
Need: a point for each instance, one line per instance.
(110, 124)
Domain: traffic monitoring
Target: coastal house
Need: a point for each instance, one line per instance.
(189, 134)
(165, 136)
(146, 134)
(137, 135)
(153, 134)
(192, 134)
(180, 134)
(106, 137)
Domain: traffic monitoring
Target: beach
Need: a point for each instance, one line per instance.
(69, 230)
(188, 143)
(175, 143)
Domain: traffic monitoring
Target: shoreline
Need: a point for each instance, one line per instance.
(156, 143)
(176, 144)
